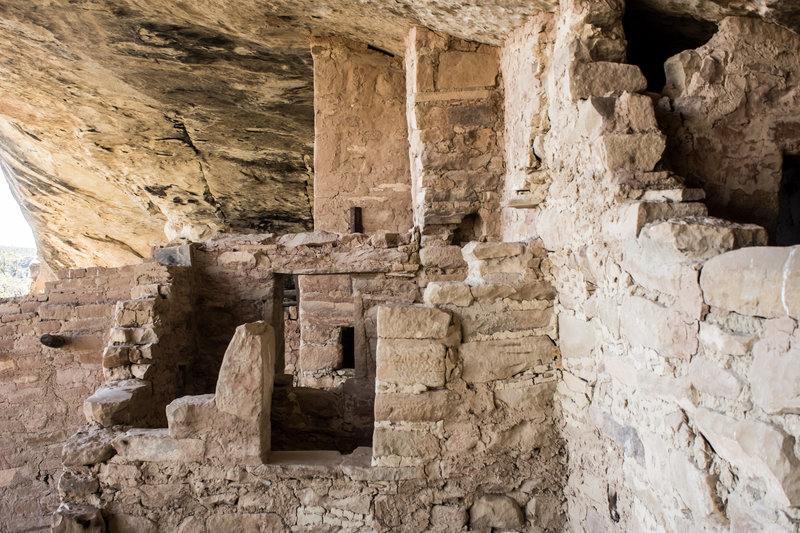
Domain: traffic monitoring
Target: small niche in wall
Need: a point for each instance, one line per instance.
(654, 37)
(348, 348)
(788, 230)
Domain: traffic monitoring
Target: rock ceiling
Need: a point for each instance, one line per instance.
(126, 123)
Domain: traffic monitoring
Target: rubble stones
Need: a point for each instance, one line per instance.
(77, 518)
(89, 446)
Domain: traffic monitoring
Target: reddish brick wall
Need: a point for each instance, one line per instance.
(42, 389)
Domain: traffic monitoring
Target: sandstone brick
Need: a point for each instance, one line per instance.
(89, 446)
(412, 323)
(707, 376)
(411, 362)
(156, 445)
(634, 151)
(484, 361)
(754, 281)
(118, 402)
(405, 443)
(74, 518)
(428, 406)
(646, 323)
(460, 70)
(601, 78)
(444, 293)
(775, 373)
(444, 257)
(496, 511)
(576, 337)
(314, 357)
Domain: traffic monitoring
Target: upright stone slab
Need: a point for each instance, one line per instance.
(244, 386)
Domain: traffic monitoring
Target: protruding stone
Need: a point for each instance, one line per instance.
(646, 323)
(448, 293)
(760, 281)
(118, 402)
(77, 518)
(496, 511)
(631, 151)
(156, 445)
(244, 387)
(191, 416)
(89, 446)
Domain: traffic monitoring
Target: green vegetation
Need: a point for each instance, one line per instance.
(15, 277)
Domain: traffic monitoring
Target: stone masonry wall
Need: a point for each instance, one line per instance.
(42, 389)
(731, 111)
(668, 421)
(524, 60)
(360, 138)
(464, 431)
(455, 123)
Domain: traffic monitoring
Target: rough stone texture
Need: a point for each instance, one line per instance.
(673, 407)
(455, 135)
(71, 518)
(723, 134)
(495, 511)
(755, 281)
(360, 141)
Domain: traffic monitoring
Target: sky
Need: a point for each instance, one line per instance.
(14, 230)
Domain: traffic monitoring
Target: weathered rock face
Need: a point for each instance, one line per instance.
(126, 124)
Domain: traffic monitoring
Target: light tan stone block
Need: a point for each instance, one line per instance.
(576, 337)
(412, 323)
(496, 511)
(775, 372)
(447, 293)
(156, 445)
(491, 360)
(646, 323)
(428, 406)
(460, 70)
(411, 362)
(760, 281)
(118, 402)
(709, 377)
(602, 78)
(758, 449)
(405, 443)
(635, 151)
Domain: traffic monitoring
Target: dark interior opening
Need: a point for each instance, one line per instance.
(655, 37)
(788, 230)
(348, 348)
(468, 230)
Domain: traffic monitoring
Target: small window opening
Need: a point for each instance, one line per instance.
(468, 230)
(788, 230)
(655, 37)
(348, 348)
